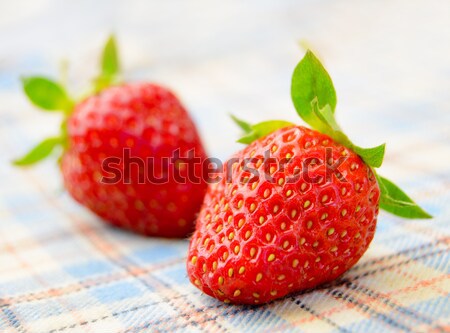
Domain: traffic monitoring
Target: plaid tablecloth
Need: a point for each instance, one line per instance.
(63, 270)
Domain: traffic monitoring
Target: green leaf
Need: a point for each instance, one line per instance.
(110, 67)
(397, 202)
(38, 153)
(325, 114)
(262, 129)
(311, 81)
(110, 59)
(46, 94)
(245, 126)
(372, 156)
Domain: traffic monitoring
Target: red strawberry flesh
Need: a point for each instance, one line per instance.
(256, 241)
(150, 122)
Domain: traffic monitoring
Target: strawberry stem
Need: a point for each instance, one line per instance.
(50, 95)
(314, 98)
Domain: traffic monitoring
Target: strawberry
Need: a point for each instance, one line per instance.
(148, 120)
(123, 147)
(296, 208)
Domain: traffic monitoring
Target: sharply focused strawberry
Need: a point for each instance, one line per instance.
(124, 147)
(295, 208)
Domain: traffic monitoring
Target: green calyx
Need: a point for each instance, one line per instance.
(314, 99)
(110, 67)
(254, 132)
(395, 201)
(50, 95)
